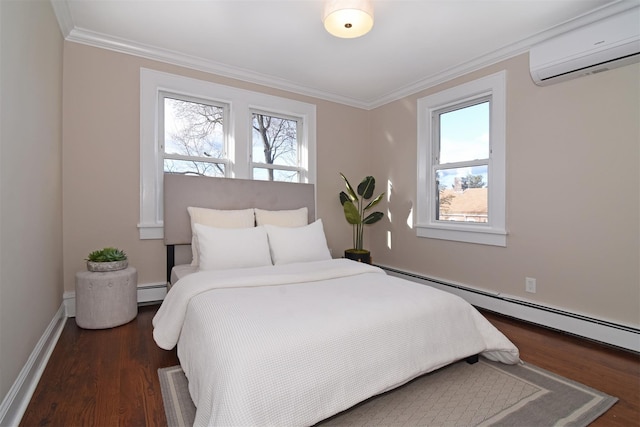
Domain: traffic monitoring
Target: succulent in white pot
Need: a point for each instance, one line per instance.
(107, 259)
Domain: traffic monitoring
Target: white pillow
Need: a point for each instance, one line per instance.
(285, 218)
(297, 244)
(243, 218)
(222, 248)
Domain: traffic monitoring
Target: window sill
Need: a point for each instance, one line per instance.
(151, 231)
(469, 234)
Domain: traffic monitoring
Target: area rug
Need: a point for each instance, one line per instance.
(482, 394)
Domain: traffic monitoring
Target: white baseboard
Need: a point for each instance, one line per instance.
(623, 336)
(17, 399)
(147, 292)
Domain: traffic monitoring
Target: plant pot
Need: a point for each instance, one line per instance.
(107, 266)
(359, 255)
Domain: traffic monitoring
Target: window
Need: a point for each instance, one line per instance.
(461, 158)
(275, 152)
(461, 163)
(193, 140)
(197, 127)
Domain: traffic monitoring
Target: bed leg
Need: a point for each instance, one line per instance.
(472, 359)
(171, 260)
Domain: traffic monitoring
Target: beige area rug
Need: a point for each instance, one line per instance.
(482, 394)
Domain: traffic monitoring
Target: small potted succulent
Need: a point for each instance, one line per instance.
(355, 211)
(107, 259)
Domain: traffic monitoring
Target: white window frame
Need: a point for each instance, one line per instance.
(161, 129)
(490, 233)
(301, 149)
(241, 103)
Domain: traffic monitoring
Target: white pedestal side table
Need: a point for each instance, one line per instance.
(105, 300)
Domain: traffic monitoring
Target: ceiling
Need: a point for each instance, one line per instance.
(414, 44)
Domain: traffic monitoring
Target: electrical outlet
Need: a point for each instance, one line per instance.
(530, 285)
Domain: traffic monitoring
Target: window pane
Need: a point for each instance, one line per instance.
(275, 140)
(193, 129)
(263, 174)
(464, 134)
(462, 194)
(188, 167)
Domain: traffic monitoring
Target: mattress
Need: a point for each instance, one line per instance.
(180, 271)
(295, 344)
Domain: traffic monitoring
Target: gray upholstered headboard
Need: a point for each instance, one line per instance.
(182, 191)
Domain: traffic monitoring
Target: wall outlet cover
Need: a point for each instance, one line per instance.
(530, 285)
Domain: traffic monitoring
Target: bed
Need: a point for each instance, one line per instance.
(299, 341)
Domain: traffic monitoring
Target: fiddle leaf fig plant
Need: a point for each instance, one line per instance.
(356, 208)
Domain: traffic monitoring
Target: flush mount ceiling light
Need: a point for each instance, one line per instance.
(348, 18)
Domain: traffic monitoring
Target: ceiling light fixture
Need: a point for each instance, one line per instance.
(348, 18)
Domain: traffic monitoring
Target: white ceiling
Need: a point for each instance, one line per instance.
(282, 43)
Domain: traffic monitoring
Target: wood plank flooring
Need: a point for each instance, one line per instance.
(612, 371)
(109, 377)
(104, 377)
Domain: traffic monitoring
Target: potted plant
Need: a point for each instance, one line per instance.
(107, 259)
(355, 210)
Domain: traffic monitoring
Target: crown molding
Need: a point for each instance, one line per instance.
(505, 52)
(79, 35)
(63, 15)
(95, 39)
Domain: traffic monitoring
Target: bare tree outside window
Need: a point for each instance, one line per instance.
(275, 148)
(193, 138)
(194, 141)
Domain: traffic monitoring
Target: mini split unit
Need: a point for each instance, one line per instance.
(609, 43)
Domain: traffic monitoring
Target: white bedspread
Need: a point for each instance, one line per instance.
(294, 344)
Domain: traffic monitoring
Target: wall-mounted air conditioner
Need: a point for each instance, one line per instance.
(609, 43)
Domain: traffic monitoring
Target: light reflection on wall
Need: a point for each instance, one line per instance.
(389, 189)
(399, 211)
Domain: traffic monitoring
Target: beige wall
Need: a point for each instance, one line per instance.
(30, 180)
(573, 191)
(101, 161)
(572, 195)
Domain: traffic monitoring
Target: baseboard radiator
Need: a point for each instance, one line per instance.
(147, 293)
(617, 335)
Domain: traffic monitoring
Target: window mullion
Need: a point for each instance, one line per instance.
(435, 138)
(465, 164)
(196, 158)
(275, 167)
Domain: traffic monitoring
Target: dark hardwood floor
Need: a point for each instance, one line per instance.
(105, 377)
(109, 377)
(610, 370)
